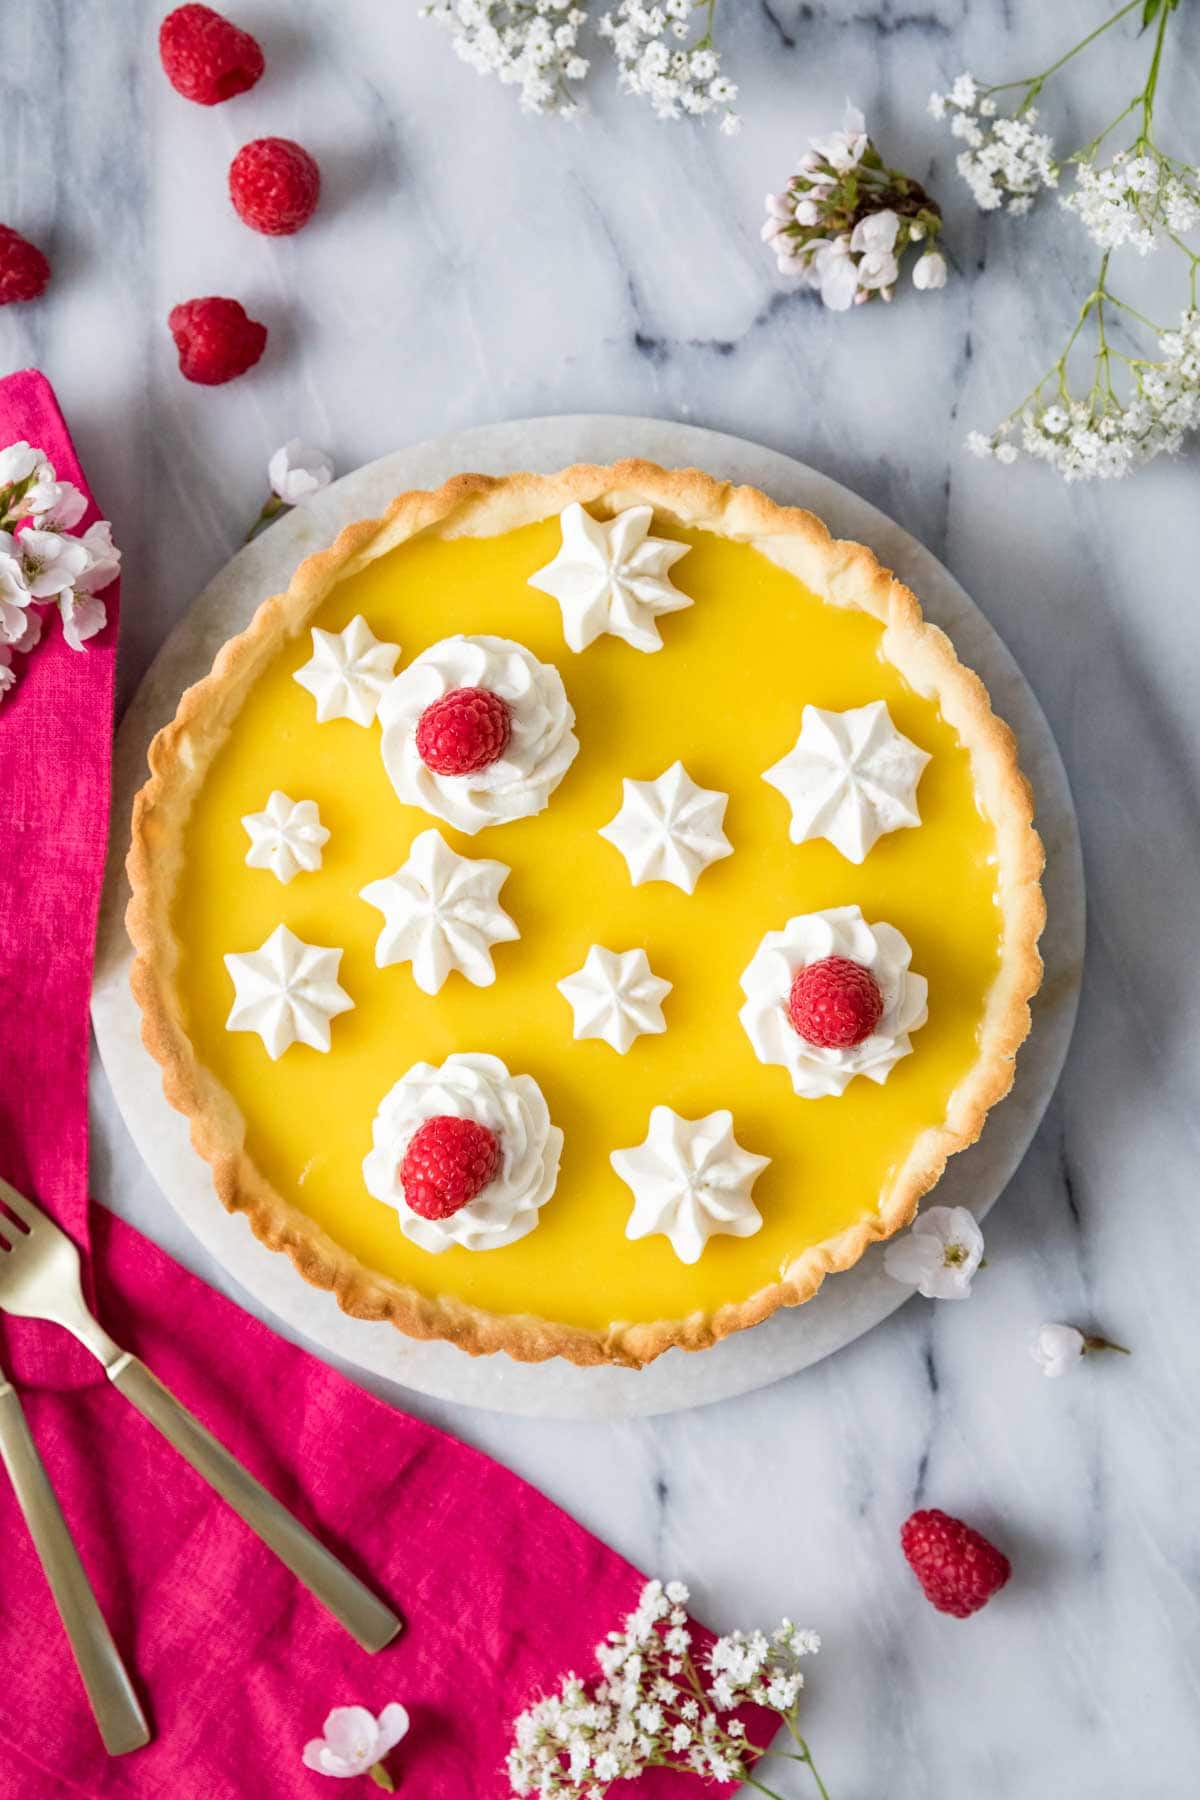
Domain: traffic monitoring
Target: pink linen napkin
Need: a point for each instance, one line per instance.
(238, 1666)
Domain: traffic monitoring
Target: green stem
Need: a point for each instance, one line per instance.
(1155, 65)
(1035, 83)
(272, 507)
(806, 1757)
(381, 1778)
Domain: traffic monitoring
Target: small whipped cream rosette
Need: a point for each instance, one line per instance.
(691, 1180)
(850, 777)
(466, 1128)
(849, 985)
(477, 732)
(612, 578)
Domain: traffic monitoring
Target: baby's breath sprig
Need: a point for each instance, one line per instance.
(530, 44)
(680, 82)
(1136, 406)
(845, 221)
(660, 1705)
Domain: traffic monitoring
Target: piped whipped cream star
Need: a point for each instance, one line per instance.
(691, 1180)
(287, 991)
(669, 829)
(850, 777)
(616, 996)
(286, 837)
(348, 672)
(441, 912)
(612, 578)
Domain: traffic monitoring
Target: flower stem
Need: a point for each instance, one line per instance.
(381, 1778)
(806, 1757)
(1035, 83)
(272, 508)
(1148, 91)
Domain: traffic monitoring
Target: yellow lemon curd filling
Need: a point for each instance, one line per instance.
(725, 695)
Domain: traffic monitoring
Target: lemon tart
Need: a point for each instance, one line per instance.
(584, 911)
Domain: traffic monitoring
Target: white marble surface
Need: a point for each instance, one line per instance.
(470, 265)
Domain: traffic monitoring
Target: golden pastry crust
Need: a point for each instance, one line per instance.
(839, 572)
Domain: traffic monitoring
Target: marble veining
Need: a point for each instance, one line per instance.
(517, 267)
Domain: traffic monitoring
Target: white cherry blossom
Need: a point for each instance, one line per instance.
(354, 1741)
(939, 1255)
(1057, 1348)
(296, 472)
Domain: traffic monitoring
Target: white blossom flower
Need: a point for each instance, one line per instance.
(837, 271)
(56, 505)
(354, 1740)
(930, 271)
(646, 1712)
(876, 234)
(939, 1255)
(297, 472)
(1005, 158)
(1134, 200)
(529, 44)
(52, 562)
(15, 596)
(836, 227)
(1101, 437)
(7, 678)
(18, 462)
(683, 83)
(42, 562)
(844, 149)
(1057, 1348)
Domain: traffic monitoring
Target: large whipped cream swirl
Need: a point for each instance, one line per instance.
(540, 750)
(475, 1087)
(810, 938)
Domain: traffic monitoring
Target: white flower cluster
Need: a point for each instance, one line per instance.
(678, 82)
(1133, 200)
(1005, 158)
(1100, 438)
(844, 221)
(532, 44)
(40, 561)
(653, 1709)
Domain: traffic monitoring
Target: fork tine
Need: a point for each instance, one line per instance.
(24, 1211)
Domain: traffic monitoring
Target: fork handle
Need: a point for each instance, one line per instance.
(367, 1619)
(120, 1719)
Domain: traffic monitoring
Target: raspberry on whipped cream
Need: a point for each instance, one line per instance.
(839, 935)
(478, 776)
(466, 1089)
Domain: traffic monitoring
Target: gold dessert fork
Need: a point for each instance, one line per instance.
(114, 1704)
(39, 1279)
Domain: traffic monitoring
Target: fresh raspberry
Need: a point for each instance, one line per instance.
(207, 58)
(274, 185)
(957, 1567)
(216, 339)
(24, 271)
(463, 732)
(448, 1162)
(835, 1003)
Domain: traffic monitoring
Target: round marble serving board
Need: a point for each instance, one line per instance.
(848, 1304)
